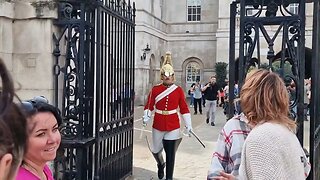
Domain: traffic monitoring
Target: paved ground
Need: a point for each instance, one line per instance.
(192, 160)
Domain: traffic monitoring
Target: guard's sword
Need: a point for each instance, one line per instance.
(142, 130)
(194, 134)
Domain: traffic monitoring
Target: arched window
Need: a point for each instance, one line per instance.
(192, 72)
(161, 61)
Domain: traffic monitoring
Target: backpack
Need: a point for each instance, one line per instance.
(189, 92)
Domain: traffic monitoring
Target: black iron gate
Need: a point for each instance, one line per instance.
(315, 96)
(94, 82)
(267, 21)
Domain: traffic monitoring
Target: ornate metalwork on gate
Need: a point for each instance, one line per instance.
(94, 81)
(272, 23)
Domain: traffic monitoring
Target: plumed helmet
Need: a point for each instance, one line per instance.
(167, 68)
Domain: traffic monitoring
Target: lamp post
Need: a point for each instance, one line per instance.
(145, 51)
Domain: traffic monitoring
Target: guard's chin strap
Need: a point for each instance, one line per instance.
(167, 85)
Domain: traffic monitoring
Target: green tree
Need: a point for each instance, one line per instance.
(221, 73)
(264, 66)
(287, 68)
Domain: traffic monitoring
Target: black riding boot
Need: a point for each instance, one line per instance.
(160, 163)
(170, 147)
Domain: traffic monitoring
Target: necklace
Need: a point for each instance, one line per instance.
(34, 171)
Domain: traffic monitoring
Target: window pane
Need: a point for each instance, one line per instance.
(194, 11)
(294, 8)
(194, 2)
(198, 10)
(192, 72)
(198, 18)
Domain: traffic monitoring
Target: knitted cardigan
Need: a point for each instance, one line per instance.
(272, 151)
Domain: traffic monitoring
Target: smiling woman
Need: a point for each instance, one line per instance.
(43, 121)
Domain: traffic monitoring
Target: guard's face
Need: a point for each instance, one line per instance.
(167, 78)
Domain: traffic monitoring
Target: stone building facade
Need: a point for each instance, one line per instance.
(163, 25)
(195, 31)
(195, 45)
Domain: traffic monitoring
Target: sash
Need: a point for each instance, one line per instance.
(165, 93)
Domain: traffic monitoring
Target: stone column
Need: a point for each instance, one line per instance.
(26, 28)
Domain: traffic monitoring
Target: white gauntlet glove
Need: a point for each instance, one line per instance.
(187, 119)
(146, 117)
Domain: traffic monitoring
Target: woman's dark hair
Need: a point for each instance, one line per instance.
(40, 104)
(13, 134)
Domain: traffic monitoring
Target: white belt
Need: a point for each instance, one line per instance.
(165, 112)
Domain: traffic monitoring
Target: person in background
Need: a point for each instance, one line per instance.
(127, 97)
(271, 150)
(13, 134)
(203, 97)
(226, 89)
(114, 101)
(236, 102)
(165, 99)
(197, 94)
(211, 93)
(309, 96)
(305, 98)
(191, 90)
(44, 139)
(221, 97)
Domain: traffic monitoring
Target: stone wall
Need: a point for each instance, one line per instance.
(26, 28)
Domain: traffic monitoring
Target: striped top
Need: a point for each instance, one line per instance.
(227, 155)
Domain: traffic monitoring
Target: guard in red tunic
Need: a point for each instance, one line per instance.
(164, 100)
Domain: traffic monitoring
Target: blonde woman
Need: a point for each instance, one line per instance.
(271, 150)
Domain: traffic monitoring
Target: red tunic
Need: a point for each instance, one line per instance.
(172, 101)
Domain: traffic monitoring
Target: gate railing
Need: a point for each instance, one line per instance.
(94, 72)
(315, 96)
(291, 28)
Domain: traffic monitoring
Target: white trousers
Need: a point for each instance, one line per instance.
(158, 136)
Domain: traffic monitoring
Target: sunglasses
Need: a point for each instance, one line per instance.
(31, 106)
